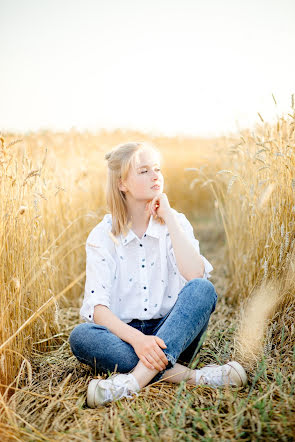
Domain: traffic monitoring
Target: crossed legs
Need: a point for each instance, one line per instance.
(96, 346)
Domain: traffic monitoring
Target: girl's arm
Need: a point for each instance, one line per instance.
(189, 262)
(147, 347)
(104, 316)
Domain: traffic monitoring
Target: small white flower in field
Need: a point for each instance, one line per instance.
(22, 209)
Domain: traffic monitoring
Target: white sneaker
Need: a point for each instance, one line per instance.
(101, 391)
(213, 375)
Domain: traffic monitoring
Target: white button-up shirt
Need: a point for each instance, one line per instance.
(136, 278)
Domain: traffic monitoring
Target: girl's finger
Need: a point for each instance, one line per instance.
(155, 364)
(161, 355)
(146, 362)
(160, 342)
(158, 359)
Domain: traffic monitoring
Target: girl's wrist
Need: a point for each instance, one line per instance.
(169, 216)
(133, 335)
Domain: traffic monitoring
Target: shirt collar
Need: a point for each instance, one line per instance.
(153, 230)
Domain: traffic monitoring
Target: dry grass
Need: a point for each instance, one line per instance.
(255, 316)
(255, 196)
(246, 229)
(51, 405)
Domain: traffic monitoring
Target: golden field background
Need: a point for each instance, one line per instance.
(52, 195)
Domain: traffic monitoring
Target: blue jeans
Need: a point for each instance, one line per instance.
(181, 329)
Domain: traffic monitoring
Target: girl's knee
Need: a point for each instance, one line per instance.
(81, 334)
(205, 289)
(76, 336)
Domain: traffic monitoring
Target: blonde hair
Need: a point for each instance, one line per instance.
(120, 159)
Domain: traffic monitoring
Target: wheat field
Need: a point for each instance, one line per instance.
(238, 191)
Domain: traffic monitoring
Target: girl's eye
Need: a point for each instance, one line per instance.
(144, 171)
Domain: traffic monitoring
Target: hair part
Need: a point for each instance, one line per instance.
(121, 159)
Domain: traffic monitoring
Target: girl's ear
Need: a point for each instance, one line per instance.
(121, 185)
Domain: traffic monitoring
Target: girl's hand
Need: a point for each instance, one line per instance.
(159, 206)
(148, 349)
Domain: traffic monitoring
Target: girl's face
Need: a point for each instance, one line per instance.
(143, 176)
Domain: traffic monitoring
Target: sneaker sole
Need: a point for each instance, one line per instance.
(240, 371)
(91, 393)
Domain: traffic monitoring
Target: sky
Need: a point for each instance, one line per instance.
(170, 67)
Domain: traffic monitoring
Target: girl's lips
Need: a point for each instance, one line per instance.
(156, 187)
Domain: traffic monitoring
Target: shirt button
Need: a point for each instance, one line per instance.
(145, 309)
(144, 234)
(142, 265)
(144, 287)
(140, 245)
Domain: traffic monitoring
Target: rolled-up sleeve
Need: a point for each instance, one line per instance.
(188, 229)
(100, 271)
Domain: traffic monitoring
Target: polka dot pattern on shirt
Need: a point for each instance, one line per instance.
(138, 277)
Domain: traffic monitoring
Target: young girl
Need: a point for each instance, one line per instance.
(147, 299)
